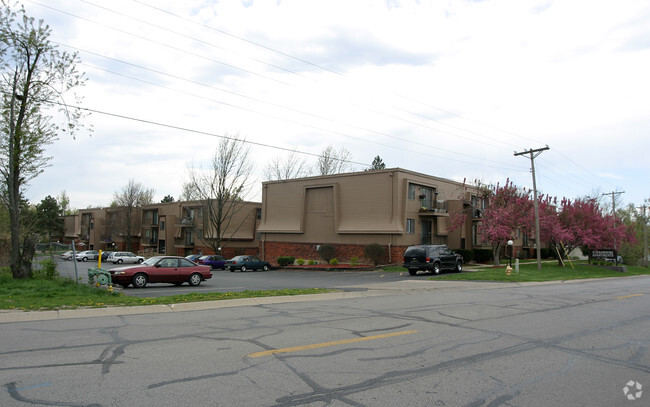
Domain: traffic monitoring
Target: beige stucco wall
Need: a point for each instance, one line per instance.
(354, 208)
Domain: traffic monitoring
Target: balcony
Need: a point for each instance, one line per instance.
(147, 242)
(183, 243)
(431, 207)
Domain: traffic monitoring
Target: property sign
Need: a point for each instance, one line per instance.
(603, 254)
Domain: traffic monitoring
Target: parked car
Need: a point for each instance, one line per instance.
(244, 263)
(67, 255)
(87, 255)
(125, 257)
(214, 261)
(106, 255)
(161, 269)
(433, 258)
(193, 257)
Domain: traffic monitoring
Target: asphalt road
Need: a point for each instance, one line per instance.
(402, 343)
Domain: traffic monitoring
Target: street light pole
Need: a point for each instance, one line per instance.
(512, 251)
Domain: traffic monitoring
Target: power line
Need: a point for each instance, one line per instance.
(294, 73)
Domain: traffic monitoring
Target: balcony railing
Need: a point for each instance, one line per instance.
(431, 206)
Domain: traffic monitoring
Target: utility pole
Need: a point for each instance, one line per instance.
(533, 155)
(614, 195)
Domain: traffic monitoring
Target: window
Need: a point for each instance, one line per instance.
(410, 226)
(411, 191)
(259, 213)
(162, 225)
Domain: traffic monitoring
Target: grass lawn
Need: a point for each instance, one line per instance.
(66, 294)
(549, 272)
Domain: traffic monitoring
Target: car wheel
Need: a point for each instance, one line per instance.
(139, 280)
(84, 259)
(243, 268)
(436, 268)
(459, 266)
(195, 279)
(265, 268)
(119, 261)
(140, 261)
(413, 272)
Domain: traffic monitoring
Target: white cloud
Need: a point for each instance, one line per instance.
(450, 89)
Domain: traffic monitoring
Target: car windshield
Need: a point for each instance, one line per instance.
(205, 258)
(151, 261)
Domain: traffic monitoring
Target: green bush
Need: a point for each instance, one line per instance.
(374, 252)
(334, 261)
(47, 270)
(354, 261)
(311, 262)
(286, 260)
(482, 255)
(5, 275)
(300, 262)
(326, 251)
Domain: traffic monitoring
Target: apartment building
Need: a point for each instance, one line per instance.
(394, 207)
(176, 228)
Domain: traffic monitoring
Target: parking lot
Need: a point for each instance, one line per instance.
(226, 281)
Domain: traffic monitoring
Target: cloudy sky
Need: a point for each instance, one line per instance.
(447, 88)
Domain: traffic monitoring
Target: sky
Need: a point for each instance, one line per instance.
(449, 88)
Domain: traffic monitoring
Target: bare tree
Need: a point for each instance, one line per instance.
(35, 74)
(133, 196)
(333, 162)
(288, 167)
(223, 188)
(189, 192)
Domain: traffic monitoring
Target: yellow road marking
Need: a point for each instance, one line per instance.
(327, 344)
(629, 296)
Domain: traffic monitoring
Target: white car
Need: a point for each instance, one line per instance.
(124, 257)
(87, 255)
(67, 255)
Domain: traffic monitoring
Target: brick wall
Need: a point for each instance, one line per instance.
(343, 252)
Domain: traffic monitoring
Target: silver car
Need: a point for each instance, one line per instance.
(124, 257)
(87, 255)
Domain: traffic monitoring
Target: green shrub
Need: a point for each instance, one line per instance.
(334, 261)
(286, 260)
(300, 262)
(354, 261)
(47, 270)
(5, 275)
(326, 251)
(311, 262)
(482, 255)
(374, 252)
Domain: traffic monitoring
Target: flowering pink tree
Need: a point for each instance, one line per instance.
(586, 225)
(509, 209)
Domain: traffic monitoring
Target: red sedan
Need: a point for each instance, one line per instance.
(161, 269)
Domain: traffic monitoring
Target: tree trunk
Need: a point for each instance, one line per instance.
(29, 248)
(495, 254)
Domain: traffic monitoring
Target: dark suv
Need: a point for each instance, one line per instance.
(431, 258)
